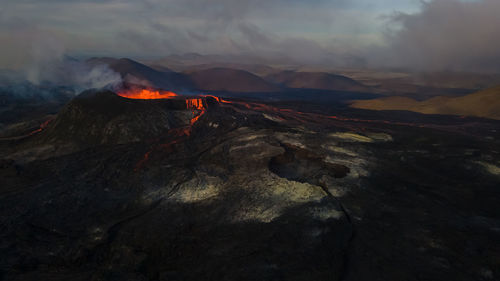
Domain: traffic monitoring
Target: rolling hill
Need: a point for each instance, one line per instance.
(317, 80)
(484, 103)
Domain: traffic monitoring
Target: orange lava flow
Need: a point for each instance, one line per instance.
(196, 104)
(145, 94)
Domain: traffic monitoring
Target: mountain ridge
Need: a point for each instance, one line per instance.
(317, 80)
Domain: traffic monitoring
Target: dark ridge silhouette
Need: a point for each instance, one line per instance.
(231, 80)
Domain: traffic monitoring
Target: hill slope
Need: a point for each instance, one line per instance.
(137, 73)
(317, 80)
(484, 103)
(231, 80)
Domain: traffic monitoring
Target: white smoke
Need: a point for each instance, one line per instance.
(46, 63)
(65, 71)
(84, 76)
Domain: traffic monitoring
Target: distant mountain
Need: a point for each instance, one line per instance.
(455, 80)
(138, 73)
(184, 61)
(257, 69)
(195, 62)
(160, 68)
(317, 80)
(230, 80)
(484, 103)
(187, 58)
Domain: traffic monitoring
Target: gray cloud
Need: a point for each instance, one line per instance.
(446, 35)
(161, 27)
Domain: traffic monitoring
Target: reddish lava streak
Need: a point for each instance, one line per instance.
(42, 127)
(143, 161)
(309, 117)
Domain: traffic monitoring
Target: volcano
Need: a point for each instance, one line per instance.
(104, 117)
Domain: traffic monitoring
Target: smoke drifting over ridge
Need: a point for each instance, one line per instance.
(41, 58)
(72, 73)
(436, 35)
(49, 64)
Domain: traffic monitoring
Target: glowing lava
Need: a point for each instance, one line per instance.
(196, 104)
(145, 94)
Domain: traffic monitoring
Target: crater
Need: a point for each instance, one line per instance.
(305, 166)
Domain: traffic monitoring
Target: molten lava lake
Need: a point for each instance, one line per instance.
(146, 94)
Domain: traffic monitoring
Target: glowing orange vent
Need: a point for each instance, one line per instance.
(145, 94)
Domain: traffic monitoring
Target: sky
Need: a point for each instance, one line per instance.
(431, 35)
